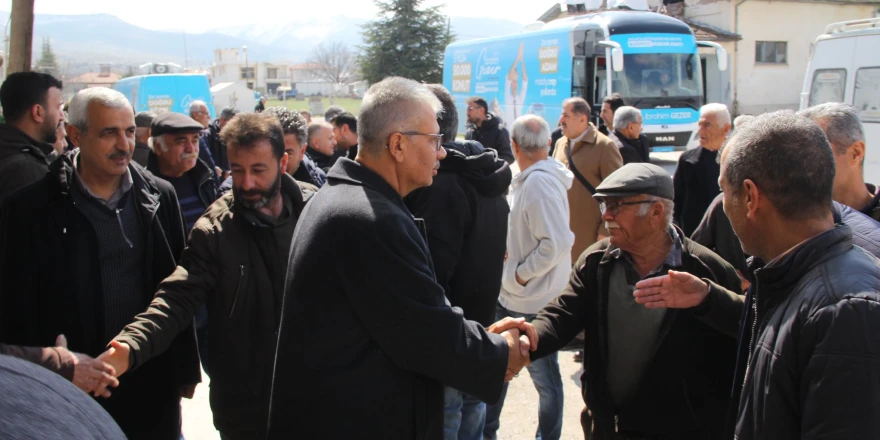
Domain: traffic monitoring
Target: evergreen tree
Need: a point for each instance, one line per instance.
(47, 63)
(405, 40)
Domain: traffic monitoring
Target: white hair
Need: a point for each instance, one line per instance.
(626, 115)
(78, 111)
(722, 115)
(157, 141)
(668, 207)
(531, 133)
(388, 107)
(197, 105)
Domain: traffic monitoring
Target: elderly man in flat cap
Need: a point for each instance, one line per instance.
(648, 373)
(175, 158)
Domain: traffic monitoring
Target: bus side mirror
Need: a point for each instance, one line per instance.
(617, 60)
(720, 53)
(616, 54)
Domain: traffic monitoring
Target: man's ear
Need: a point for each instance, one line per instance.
(855, 154)
(753, 198)
(74, 134)
(38, 113)
(396, 147)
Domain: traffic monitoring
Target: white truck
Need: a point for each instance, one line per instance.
(845, 67)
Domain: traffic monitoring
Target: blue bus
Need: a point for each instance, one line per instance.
(652, 60)
(172, 92)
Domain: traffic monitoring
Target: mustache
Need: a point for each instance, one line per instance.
(118, 154)
(188, 156)
(612, 225)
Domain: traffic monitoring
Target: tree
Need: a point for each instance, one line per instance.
(405, 40)
(334, 62)
(47, 63)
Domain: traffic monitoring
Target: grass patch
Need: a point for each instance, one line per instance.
(350, 105)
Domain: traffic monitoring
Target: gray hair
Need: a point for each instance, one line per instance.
(842, 124)
(788, 158)
(668, 207)
(626, 115)
(197, 105)
(720, 111)
(388, 107)
(78, 111)
(742, 119)
(157, 141)
(531, 133)
(291, 122)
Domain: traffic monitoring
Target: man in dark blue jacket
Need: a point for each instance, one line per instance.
(809, 327)
(371, 321)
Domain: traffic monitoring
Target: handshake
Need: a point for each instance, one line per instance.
(521, 339)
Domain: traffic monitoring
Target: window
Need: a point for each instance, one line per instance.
(771, 52)
(866, 96)
(247, 73)
(828, 86)
(578, 76)
(272, 73)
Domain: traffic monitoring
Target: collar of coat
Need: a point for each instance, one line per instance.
(589, 137)
(350, 172)
(785, 272)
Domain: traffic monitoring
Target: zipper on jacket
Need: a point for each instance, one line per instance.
(237, 290)
(752, 337)
(122, 228)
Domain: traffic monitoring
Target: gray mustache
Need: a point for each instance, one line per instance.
(118, 155)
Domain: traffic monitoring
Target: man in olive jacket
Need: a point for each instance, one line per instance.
(367, 338)
(235, 263)
(647, 373)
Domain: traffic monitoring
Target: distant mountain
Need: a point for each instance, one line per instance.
(299, 37)
(82, 41)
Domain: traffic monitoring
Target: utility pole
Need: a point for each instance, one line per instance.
(21, 36)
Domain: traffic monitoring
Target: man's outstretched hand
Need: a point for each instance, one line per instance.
(521, 338)
(677, 290)
(90, 375)
(117, 356)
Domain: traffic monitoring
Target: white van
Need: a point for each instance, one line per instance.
(845, 67)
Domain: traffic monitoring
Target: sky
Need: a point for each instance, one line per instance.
(198, 16)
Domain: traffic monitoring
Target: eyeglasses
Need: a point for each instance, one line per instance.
(438, 138)
(614, 207)
(471, 109)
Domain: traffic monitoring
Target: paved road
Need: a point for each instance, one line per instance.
(519, 419)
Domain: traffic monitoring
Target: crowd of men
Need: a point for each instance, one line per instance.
(375, 276)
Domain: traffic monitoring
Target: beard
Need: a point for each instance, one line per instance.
(266, 195)
(50, 133)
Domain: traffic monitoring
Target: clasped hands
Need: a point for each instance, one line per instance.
(521, 339)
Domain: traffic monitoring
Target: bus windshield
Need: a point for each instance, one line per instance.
(659, 75)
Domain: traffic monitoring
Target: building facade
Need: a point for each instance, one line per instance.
(232, 65)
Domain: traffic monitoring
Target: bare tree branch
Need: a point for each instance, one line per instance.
(334, 62)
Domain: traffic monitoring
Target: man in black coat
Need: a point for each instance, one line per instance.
(485, 128)
(32, 105)
(367, 338)
(213, 141)
(696, 176)
(465, 215)
(809, 327)
(83, 250)
(634, 146)
(647, 373)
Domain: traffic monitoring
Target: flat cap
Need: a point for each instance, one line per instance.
(637, 178)
(170, 122)
(144, 119)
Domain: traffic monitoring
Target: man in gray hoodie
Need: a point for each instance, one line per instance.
(538, 262)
